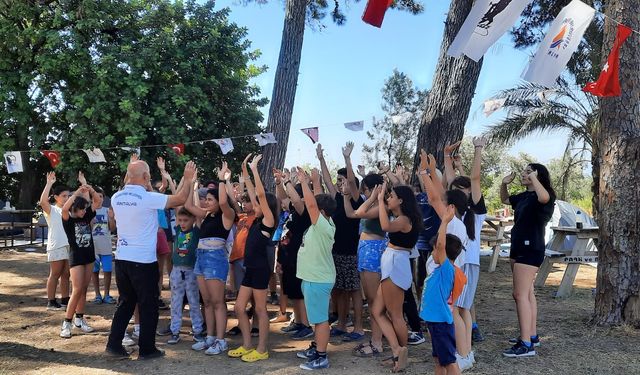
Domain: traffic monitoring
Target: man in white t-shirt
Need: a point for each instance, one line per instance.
(135, 210)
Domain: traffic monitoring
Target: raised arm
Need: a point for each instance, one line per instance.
(400, 224)
(44, 197)
(440, 252)
(369, 209)
(351, 177)
(309, 199)
(267, 215)
(96, 201)
(228, 213)
(476, 190)
(326, 176)
(82, 190)
(161, 166)
(248, 184)
(504, 187)
(541, 192)
(296, 200)
(449, 170)
(431, 183)
(278, 180)
(316, 182)
(180, 197)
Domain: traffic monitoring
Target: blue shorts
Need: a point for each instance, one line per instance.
(443, 342)
(106, 261)
(212, 264)
(316, 300)
(369, 255)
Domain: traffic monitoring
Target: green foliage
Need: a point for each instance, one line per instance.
(82, 74)
(394, 137)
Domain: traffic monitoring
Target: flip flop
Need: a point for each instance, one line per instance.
(359, 351)
(401, 361)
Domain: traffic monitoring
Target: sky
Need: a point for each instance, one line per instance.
(343, 69)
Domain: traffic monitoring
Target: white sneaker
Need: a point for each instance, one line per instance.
(82, 324)
(463, 362)
(472, 356)
(205, 344)
(127, 341)
(218, 347)
(66, 330)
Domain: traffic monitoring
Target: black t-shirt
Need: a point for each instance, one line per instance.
(479, 208)
(347, 229)
(292, 236)
(78, 232)
(530, 219)
(255, 251)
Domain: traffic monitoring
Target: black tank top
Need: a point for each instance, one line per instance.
(212, 226)
(255, 251)
(405, 240)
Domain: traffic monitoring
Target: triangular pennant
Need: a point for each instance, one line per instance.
(608, 84)
(264, 139)
(178, 148)
(374, 11)
(493, 105)
(226, 146)
(53, 156)
(401, 118)
(95, 155)
(355, 126)
(312, 133)
(13, 159)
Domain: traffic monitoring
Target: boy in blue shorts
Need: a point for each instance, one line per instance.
(317, 271)
(438, 297)
(103, 250)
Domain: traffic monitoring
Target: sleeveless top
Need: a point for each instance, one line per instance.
(405, 240)
(372, 226)
(213, 227)
(255, 252)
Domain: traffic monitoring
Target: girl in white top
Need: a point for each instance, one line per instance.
(57, 243)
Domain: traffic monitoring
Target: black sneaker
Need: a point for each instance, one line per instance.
(120, 353)
(64, 301)
(519, 350)
(53, 305)
(293, 327)
(235, 331)
(333, 317)
(162, 305)
(166, 331)
(310, 353)
(155, 354)
(273, 299)
(534, 341)
(476, 335)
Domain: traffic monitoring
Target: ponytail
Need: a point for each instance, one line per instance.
(460, 201)
(469, 220)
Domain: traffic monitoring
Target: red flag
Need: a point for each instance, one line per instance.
(178, 148)
(312, 133)
(53, 156)
(608, 84)
(374, 11)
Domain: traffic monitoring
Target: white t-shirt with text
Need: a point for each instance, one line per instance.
(56, 237)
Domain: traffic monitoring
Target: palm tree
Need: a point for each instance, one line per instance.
(532, 108)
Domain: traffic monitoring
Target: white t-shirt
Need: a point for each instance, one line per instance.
(473, 249)
(137, 222)
(57, 237)
(457, 228)
(101, 233)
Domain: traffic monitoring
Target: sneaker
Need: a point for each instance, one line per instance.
(463, 362)
(108, 299)
(65, 332)
(310, 353)
(415, 338)
(202, 345)
(64, 301)
(175, 338)
(119, 353)
(336, 332)
(218, 347)
(292, 327)
(53, 305)
(316, 364)
(166, 331)
(273, 299)
(476, 335)
(155, 354)
(534, 341)
(255, 332)
(162, 305)
(519, 350)
(82, 324)
(127, 340)
(199, 337)
(303, 333)
(135, 334)
(280, 318)
(472, 356)
(333, 317)
(235, 331)
(97, 300)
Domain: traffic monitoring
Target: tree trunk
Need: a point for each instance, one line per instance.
(284, 89)
(618, 281)
(449, 100)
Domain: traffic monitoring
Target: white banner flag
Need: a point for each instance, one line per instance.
(13, 159)
(486, 23)
(401, 118)
(355, 126)
(264, 139)
(95, 155)
(559, 44)
(226, 146)
(493, 105)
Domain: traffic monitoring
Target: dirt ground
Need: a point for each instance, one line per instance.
(29, 341)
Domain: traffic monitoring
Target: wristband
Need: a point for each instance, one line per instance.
(287, 182)
(223, 182)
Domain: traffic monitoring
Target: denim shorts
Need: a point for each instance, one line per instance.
(369, 254)
(106, 261)
(443, 342)
(316, 301)
(212, 264)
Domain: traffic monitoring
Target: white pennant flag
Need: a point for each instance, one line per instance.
(135, 150)
(13, 160)
(488, 20)
(493, 105)
(355, 126)
(264, 139)
(401, 118)
(95, 155)
(226, 146)
(559, 44)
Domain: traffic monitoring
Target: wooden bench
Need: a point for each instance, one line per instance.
(495, 235)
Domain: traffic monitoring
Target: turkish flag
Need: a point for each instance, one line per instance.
(608, 84)
(178, 148)
(53, 156)
(374, 11)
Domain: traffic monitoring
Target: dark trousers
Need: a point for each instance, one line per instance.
(137, 284)
(410, 308)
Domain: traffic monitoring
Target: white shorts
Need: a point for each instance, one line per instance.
(61, 253)
(472, 272)
(395, 265)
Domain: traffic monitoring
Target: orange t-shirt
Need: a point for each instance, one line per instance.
(242, 231)
(459, 281)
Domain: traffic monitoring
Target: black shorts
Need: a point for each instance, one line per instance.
(443, 342)
(169, 233)
(529, 257)
(271, 255)
(291, 285)
(347, 275)
(256, 278)
(81, 257)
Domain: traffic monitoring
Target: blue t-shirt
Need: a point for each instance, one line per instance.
(162, 220)
(184, 247)
(437, 290)
(430, 221)
(277, 235)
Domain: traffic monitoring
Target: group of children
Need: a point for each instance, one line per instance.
(328, 243)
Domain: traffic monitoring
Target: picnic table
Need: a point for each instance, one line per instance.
(583, 251)
(15, 224)
(495, 236)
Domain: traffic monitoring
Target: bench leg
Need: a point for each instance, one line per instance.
(494, 258)
(567, 280)
(543, 272)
